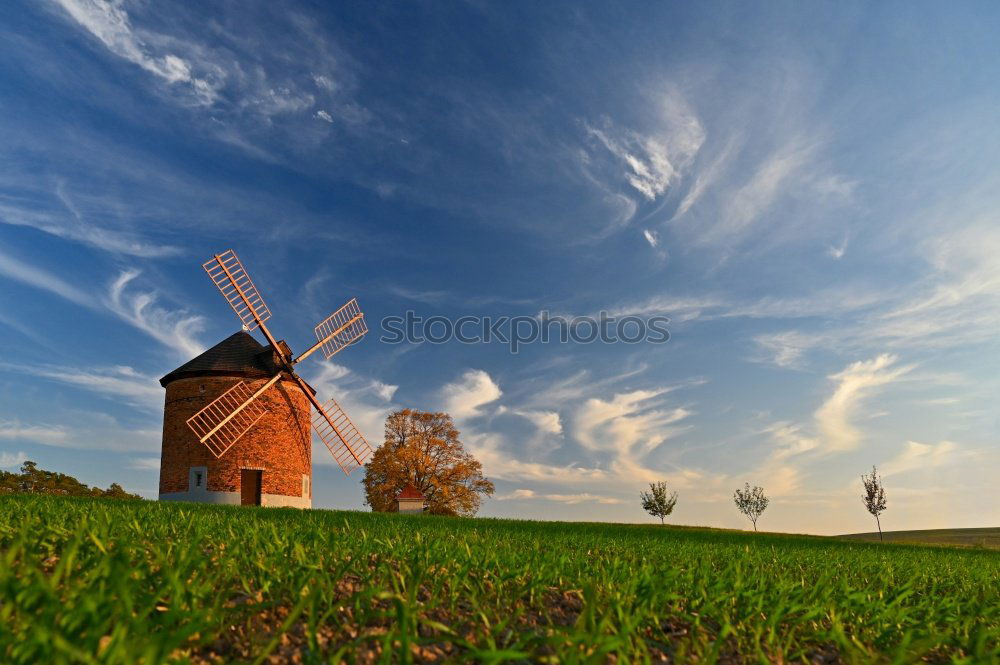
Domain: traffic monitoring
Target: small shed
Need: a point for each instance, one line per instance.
(410, 500)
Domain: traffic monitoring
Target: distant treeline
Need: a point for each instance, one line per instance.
(33, 480)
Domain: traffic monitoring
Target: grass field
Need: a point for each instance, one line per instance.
(90, 581)
(987, 537)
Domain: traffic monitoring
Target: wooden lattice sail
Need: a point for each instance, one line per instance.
(221, 424)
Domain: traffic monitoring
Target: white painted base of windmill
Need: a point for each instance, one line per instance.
(234, 499)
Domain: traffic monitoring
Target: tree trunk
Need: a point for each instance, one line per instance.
(879, 529)
(755, 525)
(661, 520)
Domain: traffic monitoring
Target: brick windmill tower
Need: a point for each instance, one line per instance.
(238, 420)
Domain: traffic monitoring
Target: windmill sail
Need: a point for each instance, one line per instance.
(231, 278)
(342, 328)
(225, 420)
(347, 445)
(228, 417)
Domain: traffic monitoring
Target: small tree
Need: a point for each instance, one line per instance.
(751, 502)
(874, 497)
(657, 502)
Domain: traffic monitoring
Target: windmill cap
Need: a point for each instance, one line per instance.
(239, 355)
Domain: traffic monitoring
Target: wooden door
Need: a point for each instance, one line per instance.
(250, 487)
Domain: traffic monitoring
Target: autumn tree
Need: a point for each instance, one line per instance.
(751, 502)
(423, 449)
(657, 501)
(874, 497)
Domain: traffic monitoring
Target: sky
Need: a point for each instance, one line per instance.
(810, 193)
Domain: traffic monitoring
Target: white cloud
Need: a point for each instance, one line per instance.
(654, 162)
(324, 82)
(79, 229)
(12, 460)
(706, 178)
(172, 328)
(86, 430)
(145, 463)
(41, 279)
(276, 101)
(15, 430)
(260, 87)
(120, 382)
(463, 398)
(547, 422)
(746, 204)
(652, 237)
(711, 306)
(924, 456)
(366, 402)
(487, 448)
(837, 252)
(384, 390)
(630, 425)
(678, 308)
(957, 304)
(569, 499)
(854, 383)
(109, 22)
(961, 301)
(784, 349)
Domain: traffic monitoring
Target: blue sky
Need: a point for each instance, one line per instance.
(809, 193)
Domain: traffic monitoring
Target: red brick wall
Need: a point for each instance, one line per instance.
(280, 443)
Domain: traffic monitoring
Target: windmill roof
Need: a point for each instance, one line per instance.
(237, 355)
(410, 492)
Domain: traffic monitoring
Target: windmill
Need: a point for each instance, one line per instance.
(251, 388)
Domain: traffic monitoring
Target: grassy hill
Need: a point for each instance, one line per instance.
(87, 581)
(984, 537)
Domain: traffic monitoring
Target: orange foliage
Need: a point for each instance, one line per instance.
(423, 449)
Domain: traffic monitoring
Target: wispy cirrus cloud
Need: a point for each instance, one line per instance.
(795, 449)
(121, 383)
(785, 349)
(176, 329)
(954, 305)
(302, 76)
(145, 463)
(926, 456)
(84, 430)
(71, 224)
(18, 431)
(569, 499)
(111, 25)
(855, 382)
(744, 205)
(42, 279)
(654, 161)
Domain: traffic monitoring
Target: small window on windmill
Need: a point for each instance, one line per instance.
(198, 478)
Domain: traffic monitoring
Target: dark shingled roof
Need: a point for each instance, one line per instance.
(238, 355)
